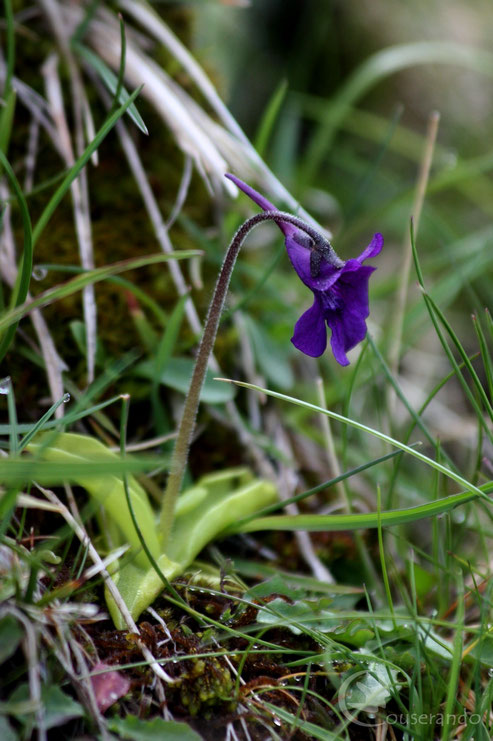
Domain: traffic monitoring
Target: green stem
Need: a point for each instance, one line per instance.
(187, 422)
(9, 72)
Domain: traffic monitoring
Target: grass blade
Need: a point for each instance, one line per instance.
(269, 117)
(161, 358)
(465, 358)
(381, 550)
(369, 430)
(86, 278)
(453, 674)
(113, 83)
(435, 312)
(142, 296)
(10, 61)
(121, 68)
(377, 67)
(14, 471)
(489, 321)
(358, 521)
(485, 354)
(79, 164)
(41, 423)
(320, 487)
(416, 416)
(13, 432)
(21, 287)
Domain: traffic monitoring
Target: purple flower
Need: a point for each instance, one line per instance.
(340, 289)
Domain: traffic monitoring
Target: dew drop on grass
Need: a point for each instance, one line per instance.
(66, 398)
(5, 385)
(490, 672)
(450, 160)
(39, 273)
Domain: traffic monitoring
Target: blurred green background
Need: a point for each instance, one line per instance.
(316, 44)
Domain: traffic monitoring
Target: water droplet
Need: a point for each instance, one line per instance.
(5, 385)
(434, 613)
(39, 273)
(490, 672)
(66, 398)
(450, 159)
(277, 722)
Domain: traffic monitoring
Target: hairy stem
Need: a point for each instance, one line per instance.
(189, 413)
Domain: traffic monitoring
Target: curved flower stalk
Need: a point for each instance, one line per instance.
(340, 289)
(340, 298)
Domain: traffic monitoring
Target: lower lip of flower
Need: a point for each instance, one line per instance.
(330, 301)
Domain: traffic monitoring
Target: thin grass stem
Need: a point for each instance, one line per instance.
(453, 675)
(381, 550)
(21, 288)
(9, 74)
(121, 68)
(330, 447)
(79, 164)
(400, 308)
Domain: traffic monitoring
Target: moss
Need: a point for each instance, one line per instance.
(120, 224)
(205, 685)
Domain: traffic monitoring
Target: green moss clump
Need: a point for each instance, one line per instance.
(206, 685)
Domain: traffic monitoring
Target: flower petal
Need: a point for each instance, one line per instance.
(298, 254)
(348, 323)
(108, 687)
(338, 338)
(300, 260)
(310, 332)
(373, 249)
(352, 288)
(340, 290)
(348, 329)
